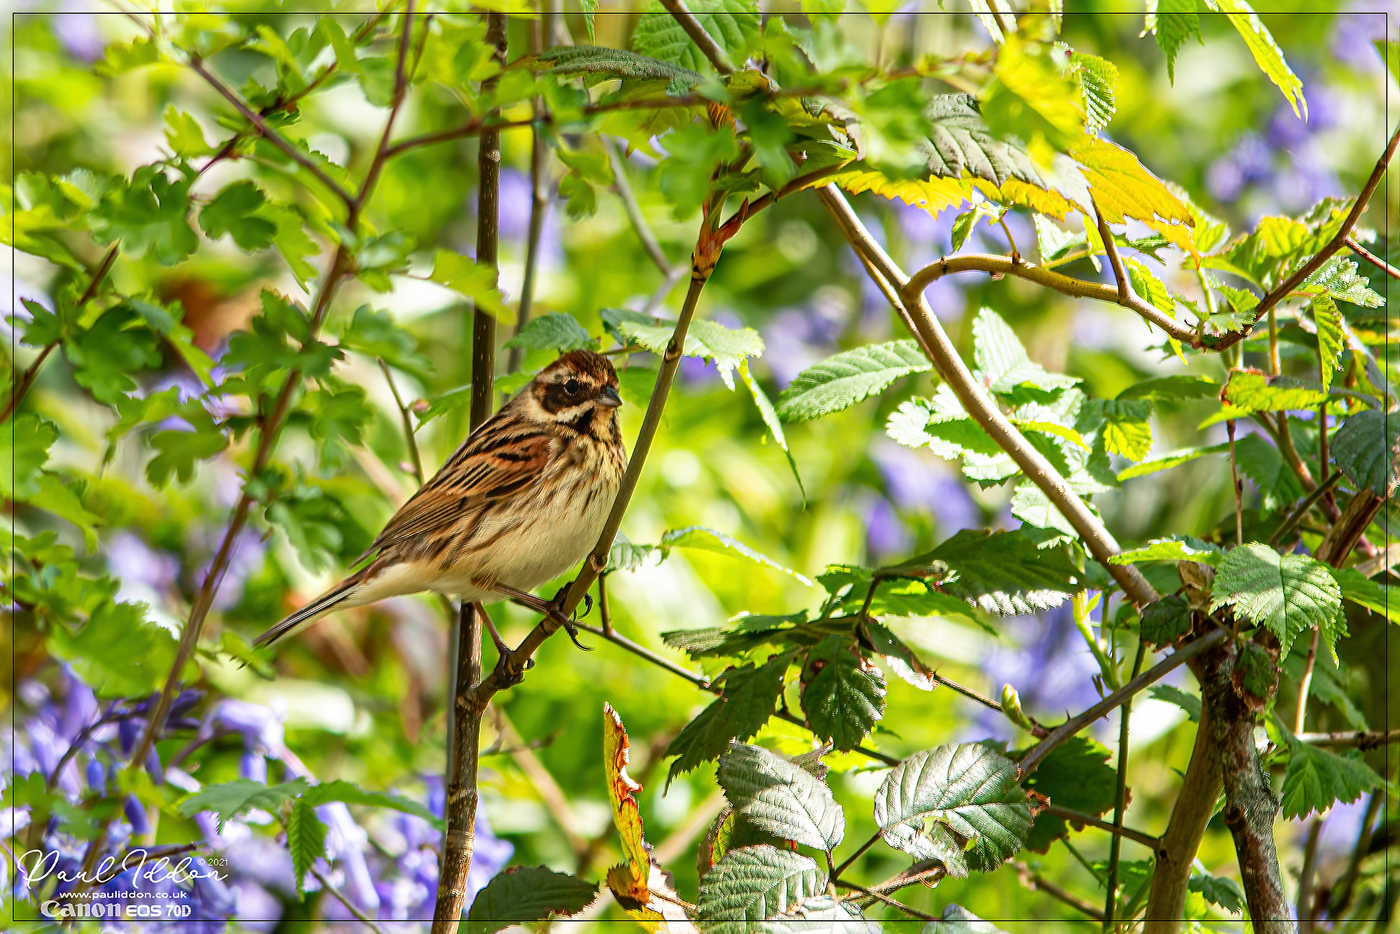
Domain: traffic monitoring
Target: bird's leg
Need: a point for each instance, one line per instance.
(552, 609)
(504, 654)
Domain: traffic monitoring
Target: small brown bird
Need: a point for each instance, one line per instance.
(518, 504)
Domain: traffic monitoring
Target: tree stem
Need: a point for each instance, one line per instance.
(488, 211)
(459, 836)
(1120, 802)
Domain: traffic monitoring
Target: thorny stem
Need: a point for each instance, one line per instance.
(26, 380)
(1338, 241)
(1120, 801)
(409, 438)
(1371, 258)
(1119, 697)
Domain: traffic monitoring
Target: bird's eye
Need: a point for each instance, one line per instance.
(571, 387)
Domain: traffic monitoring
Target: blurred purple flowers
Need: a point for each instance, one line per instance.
(386, 867)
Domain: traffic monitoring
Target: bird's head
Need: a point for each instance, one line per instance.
(579, 391)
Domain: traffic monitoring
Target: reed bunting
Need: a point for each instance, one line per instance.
(519, 503)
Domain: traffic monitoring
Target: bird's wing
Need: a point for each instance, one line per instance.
(492, 465)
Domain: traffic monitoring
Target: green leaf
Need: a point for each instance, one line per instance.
(962, 143)
(755, 883)
(1365, 592)
(24, 449)
(781, 797)
(61, 499)
(349, 793)
(1165, 620)
(230, 799)
(1364, 449)
(770, 419)
(1287, 595)
(292, 241)
(842, 698)
(966, 221)
(726, 347)
(1185, 548)
(1172, 460)
(1075, 775)
(701, 538)
(1098, 79)
(749, 698)
(964, 796)
(1267, 55)
(1218, 890)
(477, 282)
(839, 382)
(527, 893)
(1331, 340)
(1187, 702)
(1261, 462)
(1339, 279)
(1177, 21)
(180, 450)
(184, 134)
(117, 652)
(233, 212)
(449, 401)
(617, 63)
(733, 24)
(1148, 287)
(1317, 779)
(551, 332)
(1002, 572)
(1252, 391)
(823, 914)
(1006, 368)
(306, 839)
(374, 334)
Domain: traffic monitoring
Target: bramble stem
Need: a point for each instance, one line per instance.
(1120, 801)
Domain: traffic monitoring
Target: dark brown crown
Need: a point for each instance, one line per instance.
(586, 363)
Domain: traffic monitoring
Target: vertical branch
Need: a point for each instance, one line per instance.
(1305, 684)
(487, 229)
(539, 206)
(459, 837)
(408, 436)
(1120, 802)
(1235, 483)
(1306, 876)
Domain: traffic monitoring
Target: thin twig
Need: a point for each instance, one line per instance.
(634, 211)
(699, 36)
(539, 205)
(603, 613)
(1285, 288)
(611, 635)
(1036, 883)
(974, 399)
(1296, 516)
(914, 913)
(1125, 291)
(1235, 484)
(1067, 285)
(1119, 697)
(488, 211)
(272, 136)
(1137, 836)
(409, 438)
(26, 380)
(1358, 740)
(340, 897)
(1371, 258)
(846, 863)
(1305, 683)
(1306, 876)
(1120, 801)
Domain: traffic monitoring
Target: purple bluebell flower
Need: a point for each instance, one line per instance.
(885, 534)
(1354, 29)
(916, 480)
(76, 28)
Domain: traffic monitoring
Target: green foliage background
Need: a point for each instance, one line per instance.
(101, 466)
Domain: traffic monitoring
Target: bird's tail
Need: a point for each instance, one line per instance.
(308, 614)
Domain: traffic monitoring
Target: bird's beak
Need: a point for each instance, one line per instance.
(608, 396)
